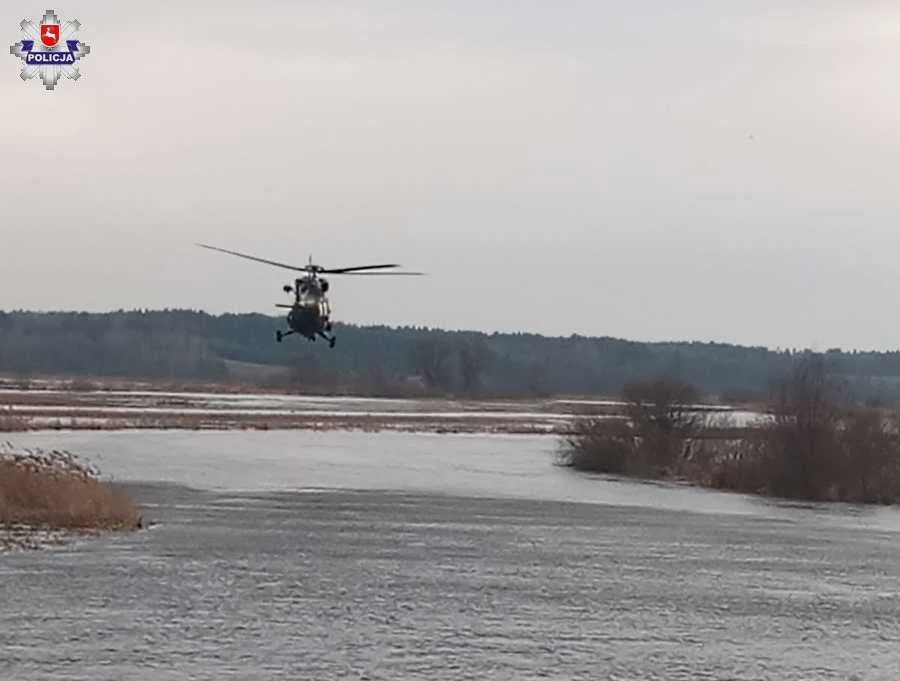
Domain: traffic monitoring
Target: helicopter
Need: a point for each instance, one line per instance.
(310, 312)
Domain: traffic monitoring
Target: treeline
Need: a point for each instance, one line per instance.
(191, 345)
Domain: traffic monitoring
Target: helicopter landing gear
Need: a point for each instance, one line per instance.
(330, 339)
(281, 334)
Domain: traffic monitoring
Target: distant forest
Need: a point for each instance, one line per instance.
(188, 346)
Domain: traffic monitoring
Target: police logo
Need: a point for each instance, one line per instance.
(50, 49)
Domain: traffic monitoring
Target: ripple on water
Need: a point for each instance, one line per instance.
(408, 585)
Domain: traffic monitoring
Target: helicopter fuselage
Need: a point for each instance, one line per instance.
(310, 314)
(310, 318)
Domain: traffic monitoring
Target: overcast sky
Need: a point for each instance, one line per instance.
(652, 170)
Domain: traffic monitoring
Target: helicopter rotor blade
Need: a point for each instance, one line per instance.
(346, 270)
(383, 274)
(358, 270)
(252, 257)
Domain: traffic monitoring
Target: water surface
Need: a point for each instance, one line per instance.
(399, 556)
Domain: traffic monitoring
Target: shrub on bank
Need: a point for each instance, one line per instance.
(652, 441)
(599, 445)
(816, 447)
(856, 459)
(54, 490)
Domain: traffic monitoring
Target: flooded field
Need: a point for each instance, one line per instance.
(303, 554)
(50, 407)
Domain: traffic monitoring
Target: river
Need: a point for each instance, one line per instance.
(320, 555)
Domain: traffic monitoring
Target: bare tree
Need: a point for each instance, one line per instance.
(474, 357)
(432, 358)
(664, 417)
(871, 457)
(807, 419)
(817, 447)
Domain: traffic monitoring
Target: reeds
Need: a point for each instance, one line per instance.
(53, 490)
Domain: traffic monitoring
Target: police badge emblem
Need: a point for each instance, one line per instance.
(50, 49)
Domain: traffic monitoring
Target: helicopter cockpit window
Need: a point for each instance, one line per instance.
(307, 298)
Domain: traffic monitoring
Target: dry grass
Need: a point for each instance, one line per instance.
(98, 419)
(10, 422)
(54, 490)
